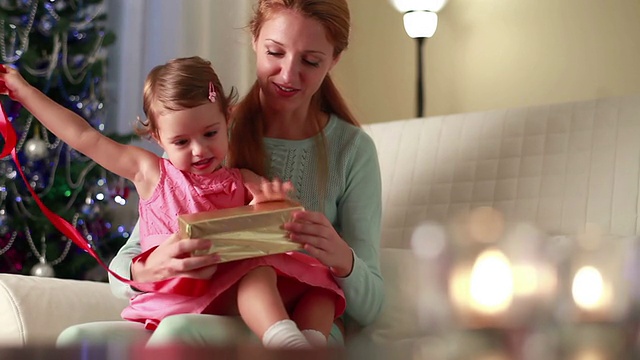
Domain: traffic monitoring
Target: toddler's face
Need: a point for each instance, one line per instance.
(195, 139)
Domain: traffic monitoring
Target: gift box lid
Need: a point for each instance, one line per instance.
(242, 218)
(242, 232)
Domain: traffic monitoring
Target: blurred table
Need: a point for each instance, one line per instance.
(581, 342)
(121, 352)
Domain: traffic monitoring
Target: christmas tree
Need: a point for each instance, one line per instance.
(59, 46)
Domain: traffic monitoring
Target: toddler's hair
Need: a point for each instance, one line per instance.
(179, 84)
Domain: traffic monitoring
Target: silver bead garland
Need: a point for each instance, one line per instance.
(9, 244)
(22, 34)
(41, 255)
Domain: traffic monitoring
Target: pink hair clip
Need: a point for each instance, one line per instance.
(212, 92)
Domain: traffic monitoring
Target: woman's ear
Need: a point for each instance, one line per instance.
(335, 61)
(229, 114)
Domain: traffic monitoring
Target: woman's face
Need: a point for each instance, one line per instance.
(293, 55)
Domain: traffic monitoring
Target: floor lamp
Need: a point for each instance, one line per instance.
(420, 22)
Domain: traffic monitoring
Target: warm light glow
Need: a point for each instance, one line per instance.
(588, 288)
(485, 224)
(420, 24)
(404, 6)
(428, 240)
(491, 283)
(590, 354)
(525, 280)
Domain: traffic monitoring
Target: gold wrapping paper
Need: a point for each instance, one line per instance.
(242, 232)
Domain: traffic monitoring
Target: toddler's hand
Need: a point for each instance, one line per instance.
(267, 191)
(11, 82)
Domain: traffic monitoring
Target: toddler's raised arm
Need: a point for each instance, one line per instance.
(124, 160)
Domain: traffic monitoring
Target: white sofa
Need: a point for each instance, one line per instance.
(558, 166)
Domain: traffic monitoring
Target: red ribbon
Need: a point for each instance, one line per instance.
(9, 135)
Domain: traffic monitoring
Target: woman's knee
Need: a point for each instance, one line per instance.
(103, 332)
(71, 336)
(174, 327)
(336, 336)
(199, 329)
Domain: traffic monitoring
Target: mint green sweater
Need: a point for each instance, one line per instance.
(352, 204)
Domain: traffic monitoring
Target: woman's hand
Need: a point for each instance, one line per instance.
(314, 231)
(172, 258)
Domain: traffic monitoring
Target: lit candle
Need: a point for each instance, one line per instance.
(589, 290)
(500, 277)
(598, 280)
(482, 292)
(491, 283)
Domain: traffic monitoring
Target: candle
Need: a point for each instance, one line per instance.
(589, 290)
(491, 283)
(500, 277)
(482, 290)
(598, 284)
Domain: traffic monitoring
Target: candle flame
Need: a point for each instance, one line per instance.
(491, 287)
(588, 288)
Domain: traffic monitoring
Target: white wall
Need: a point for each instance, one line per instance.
(151, 32)
(489, 54)
(486, 54)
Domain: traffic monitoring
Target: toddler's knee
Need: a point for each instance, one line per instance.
(321, 294)
(264, 272)
(260, 275)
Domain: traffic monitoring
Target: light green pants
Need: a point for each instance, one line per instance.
(192, 329)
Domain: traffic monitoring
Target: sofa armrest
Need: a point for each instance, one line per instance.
(34, 310)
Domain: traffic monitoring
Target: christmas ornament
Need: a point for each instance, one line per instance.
(36, 149)
(42, 269)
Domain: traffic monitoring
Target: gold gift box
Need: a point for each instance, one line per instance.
(242, 232)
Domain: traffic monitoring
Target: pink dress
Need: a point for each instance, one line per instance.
(183, 193)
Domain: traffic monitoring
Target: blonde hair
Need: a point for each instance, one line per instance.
(179, 84)
(247, 120)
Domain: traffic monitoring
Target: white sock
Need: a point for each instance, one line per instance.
(315, 337)
(284, 334)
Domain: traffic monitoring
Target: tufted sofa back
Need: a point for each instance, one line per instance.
(559, 166)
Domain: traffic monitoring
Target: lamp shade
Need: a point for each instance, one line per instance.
(420, 24)
(404, 6)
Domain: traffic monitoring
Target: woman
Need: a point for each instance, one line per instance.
(293, 125)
